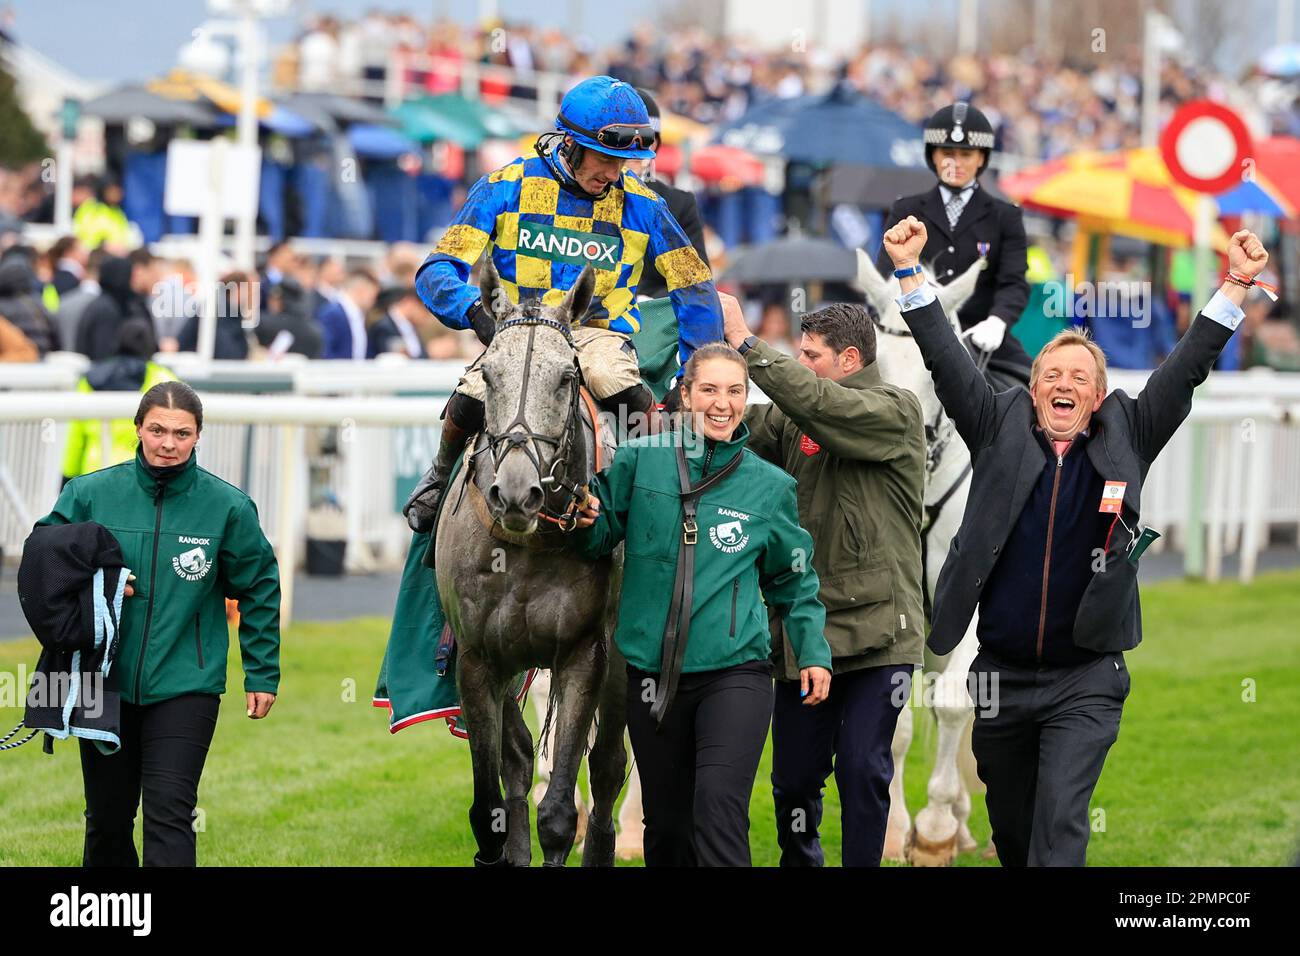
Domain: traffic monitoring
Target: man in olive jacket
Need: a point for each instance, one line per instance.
(856, 447)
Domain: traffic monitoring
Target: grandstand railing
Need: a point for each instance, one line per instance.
(353, 430)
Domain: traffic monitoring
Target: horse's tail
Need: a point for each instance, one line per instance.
(552, 701)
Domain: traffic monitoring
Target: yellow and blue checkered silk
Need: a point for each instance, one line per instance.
(541, 236)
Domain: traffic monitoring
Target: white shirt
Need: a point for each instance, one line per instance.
(408, 333)
(356, 323)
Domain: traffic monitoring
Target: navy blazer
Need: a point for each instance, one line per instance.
(337, 332)
(1006, 461)
(995, 224)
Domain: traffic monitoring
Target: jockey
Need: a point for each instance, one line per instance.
(544, 219)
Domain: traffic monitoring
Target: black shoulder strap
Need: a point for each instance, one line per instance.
(678, 627)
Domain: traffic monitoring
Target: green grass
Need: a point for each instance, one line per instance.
(1198, 777)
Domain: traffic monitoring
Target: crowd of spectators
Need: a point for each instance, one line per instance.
(1043, 107)
(75, 298)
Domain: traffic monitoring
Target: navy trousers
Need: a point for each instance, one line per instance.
(850, 733)
(1040, 753)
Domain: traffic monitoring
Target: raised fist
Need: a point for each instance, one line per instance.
(1247, 256)
(904, 242)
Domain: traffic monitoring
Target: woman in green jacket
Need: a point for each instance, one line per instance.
(699, 695)
(191, 540)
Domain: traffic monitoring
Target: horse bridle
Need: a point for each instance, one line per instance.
(519, 435)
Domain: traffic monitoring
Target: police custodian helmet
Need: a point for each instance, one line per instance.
(960, 126)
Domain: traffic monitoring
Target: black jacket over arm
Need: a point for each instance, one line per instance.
(1001, 289)
(1128, 433)
(687, 213)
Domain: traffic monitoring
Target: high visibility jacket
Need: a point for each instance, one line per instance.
(85, 449)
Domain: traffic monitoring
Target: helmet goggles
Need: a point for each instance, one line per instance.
(618, 136)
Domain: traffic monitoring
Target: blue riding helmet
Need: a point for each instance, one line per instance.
(607, 115)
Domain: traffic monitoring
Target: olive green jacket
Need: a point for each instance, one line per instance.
(856, 447)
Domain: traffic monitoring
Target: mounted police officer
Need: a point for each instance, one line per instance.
(543, 220)
(964, 223)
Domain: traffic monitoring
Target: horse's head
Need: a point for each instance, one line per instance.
(531, 377)
(897, 355)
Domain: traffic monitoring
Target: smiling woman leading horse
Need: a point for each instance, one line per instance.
(699, 692)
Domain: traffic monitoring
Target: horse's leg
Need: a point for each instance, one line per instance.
(577, 680)
(934, 840)
(631, 821)
(899, 823)
(539, 693)
(517, 742)
(481, 693)
(606, 764)
(970, 784)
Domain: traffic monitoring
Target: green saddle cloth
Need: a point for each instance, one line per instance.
(410, 684)
(656, 346)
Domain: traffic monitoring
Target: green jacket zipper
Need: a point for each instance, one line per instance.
(735, 593)
(198, 641)
(1047, 557)
(153, 577)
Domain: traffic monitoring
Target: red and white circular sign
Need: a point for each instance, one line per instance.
(1205, 146)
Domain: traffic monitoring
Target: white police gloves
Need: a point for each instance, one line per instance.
(987, 335)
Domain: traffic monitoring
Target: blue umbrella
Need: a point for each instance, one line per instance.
(842, 126)
(282, 121)
(1246, 197)
(1281, 60)
(379, 142)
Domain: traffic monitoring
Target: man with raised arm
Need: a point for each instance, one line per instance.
(1048, 547)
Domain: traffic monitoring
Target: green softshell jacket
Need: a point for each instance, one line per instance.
(750, 547)
(857, 449)
(190, 548)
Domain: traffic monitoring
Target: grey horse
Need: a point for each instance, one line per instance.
(516, 595)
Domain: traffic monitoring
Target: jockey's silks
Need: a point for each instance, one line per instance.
(541, 236)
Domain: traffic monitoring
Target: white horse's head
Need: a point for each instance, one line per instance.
(897, 354)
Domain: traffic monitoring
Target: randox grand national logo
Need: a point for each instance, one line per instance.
(569, 246)
(192, 565)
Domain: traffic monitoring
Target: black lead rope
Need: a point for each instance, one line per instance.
(678, 628)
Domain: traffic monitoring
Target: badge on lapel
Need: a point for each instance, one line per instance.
(808, 446)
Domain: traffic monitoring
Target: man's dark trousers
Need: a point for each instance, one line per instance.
(1040, 752)
(852, 733)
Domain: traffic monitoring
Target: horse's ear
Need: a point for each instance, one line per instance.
(490, 288)
(579, 298)
(877, 288)
(954, 295)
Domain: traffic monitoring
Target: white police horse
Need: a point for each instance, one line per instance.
(940, 831)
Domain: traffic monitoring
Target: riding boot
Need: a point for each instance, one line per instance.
(636, 399)
(421, 508)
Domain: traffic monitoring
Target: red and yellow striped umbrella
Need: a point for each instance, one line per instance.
(1128, 193)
